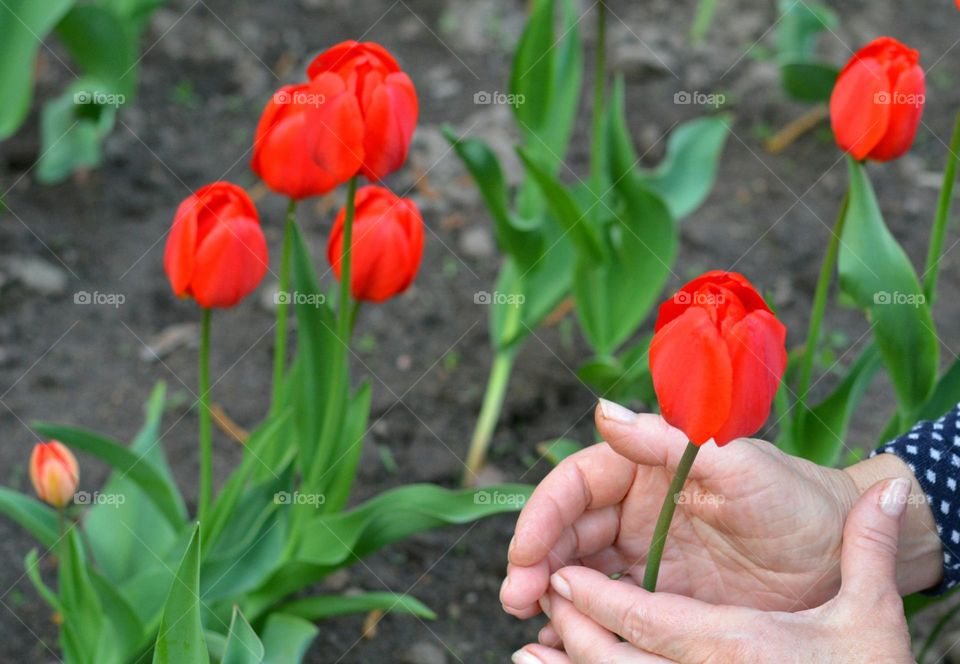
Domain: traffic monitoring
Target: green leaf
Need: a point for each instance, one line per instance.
(180, 638)
(614, 297)
(104, 47)
(515, 235)
(809, 81)
(339, 476)
(821, 431)
(35, 517)
(876, 273)
(127, 636)
(286, 639)
(565, 209)
(82, 614)
(24, 25)
(135, 467)
(557, 450)
(31, 566)
(531, 77)
(243, 646)
(685, 176)
(128, 530)
(321, 607)
(798, 28)
(71, 131)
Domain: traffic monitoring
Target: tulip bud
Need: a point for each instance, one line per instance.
(717, 356)
(54, 473)
(281, 157)
(387, 244)
(216, 252)
(368, 111)
(877, 101)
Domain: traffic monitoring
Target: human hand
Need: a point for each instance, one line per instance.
(864, 623)
(755, 527)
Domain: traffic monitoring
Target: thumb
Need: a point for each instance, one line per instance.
(868, 562)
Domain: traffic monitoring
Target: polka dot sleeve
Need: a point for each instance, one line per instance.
(932, 451)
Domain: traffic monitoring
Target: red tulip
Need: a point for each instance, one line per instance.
(54, 473)
(216, 252)
(368, 113)
(717, 357)
(386, 246)
(877, 101)
(280, 155)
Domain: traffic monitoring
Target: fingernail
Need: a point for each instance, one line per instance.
(523, 657)
(561, 586)
(616, 412)
(504, 586)
(545, 605)
(893, 500)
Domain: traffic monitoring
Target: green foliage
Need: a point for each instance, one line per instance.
(803, 76)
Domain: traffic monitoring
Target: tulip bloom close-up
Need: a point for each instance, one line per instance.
(717, 358)
(877, 101)
(281, 157)
(366, 113)
(54, 473)
(387, 244)
(216, 252)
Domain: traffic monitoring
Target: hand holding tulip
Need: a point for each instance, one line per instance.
(864, 623)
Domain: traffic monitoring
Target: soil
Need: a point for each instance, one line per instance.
(208, 68)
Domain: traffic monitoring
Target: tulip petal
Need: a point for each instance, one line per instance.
(858, 115)
(231, 262)
(692, 375)
(335, 128)
(178, 256)
(389, 121)
(758, 358)
(905, 111)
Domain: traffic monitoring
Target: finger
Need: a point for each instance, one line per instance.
(592, 478)
(590, 535)
(587, 642)
(662, 623)
(548, 636)
(536, 654)
(868, 561)
(648, 440)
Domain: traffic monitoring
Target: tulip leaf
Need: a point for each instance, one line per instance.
(339, 476)
(286, 638)
(125, 529)
(515, 235)
(820, 432)
(800, 24)
(31, 566)
(104, 47)
(876, 273)
(944, 398)
(35, 517)
(531, 76)
(126, 636)
(180, 638)
(82, 628)
(137, 468)
(242, 646)
(809, 81)
(71, 133)
(24, 25)
(685, 176)
(320, 607)
(565, 209)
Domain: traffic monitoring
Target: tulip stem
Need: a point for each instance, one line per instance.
(943, 215)
(206, 430)
(489, 413)
(599, 98)
(346, 251)
(280, 344)
(820, 304)
(662, 527)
